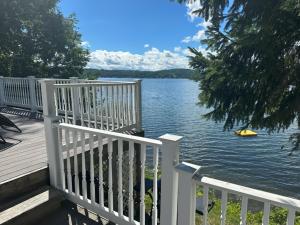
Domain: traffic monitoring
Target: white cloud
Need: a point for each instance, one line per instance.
(152, 59)
(146, 45)
(177, 49)
(191, 7)
(197, 37)
(204, 24)
(85, 44)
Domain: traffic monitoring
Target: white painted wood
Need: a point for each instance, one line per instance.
(2, 96)
(106, 109)
(75, 140)
(110, 181)
(101, 191)
(186, 195)
(51, 131)
(130, 197)
(69, 175)
(83, 167)
(61, 160)
(94, 107)
(120, 177)
(224, 207)
(92, 170)
(32, 93)
(138, 104)
(101, 107)
(266, 215)
(169, 179)
(142, 189)
(291, 216)
(205, 204)
(262, 196)
(155, 167)
(244, 210)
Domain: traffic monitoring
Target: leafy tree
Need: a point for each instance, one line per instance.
(252, 75)
(36, 39)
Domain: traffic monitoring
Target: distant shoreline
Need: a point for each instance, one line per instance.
(161, 74)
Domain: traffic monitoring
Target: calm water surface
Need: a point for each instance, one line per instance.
(169, 106)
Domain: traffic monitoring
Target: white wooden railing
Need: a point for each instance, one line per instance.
(179, 181)
(26, 92)
(190, 177)
(102, 105)
(81, 144)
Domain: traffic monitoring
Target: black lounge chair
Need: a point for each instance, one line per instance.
(6, 124)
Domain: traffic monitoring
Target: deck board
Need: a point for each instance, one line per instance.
(26, 151)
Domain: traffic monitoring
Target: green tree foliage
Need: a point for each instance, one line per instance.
(36, 39)
(252, 76)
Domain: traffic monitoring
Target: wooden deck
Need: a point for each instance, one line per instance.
(24, 152)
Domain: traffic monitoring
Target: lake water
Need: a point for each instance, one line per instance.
(169, 106)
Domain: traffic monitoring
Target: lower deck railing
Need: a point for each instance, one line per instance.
(109, 173)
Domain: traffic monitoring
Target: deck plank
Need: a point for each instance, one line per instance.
(26, 151)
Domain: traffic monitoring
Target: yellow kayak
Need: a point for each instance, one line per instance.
(245, 133)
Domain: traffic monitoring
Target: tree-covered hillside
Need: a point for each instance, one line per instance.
(172, 73)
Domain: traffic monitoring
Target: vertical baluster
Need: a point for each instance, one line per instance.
(291, 217)
(130, 197)
(92, 176)
(133, 104)
(122, 106)
(83, 168)
(110, 190)
(205, 204)
(59, 98)
(113, 106)
(75, 140)
(81, 105)
(244, 210)
(106, 107)
(266, 215)
(224, 207)
(88, 105)
(55, 101)
(101, 108)
(142, 194)
(118, 107)
(94, 106)
(128, 105)
(120, 176)
(65, 104)
(101, 193)
(155, 165)
(73, 104)
(69, 175)
(63, 175)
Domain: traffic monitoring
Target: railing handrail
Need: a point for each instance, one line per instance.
(127, 137)
(94, 84)
(251, 193)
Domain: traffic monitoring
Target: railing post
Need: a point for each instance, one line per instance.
(51, 131)
(2, 97)
(138, 104)
(186, 193)
(32, 93)
(169, 179)
(75, 98)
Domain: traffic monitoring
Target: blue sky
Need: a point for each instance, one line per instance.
(136, 34)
